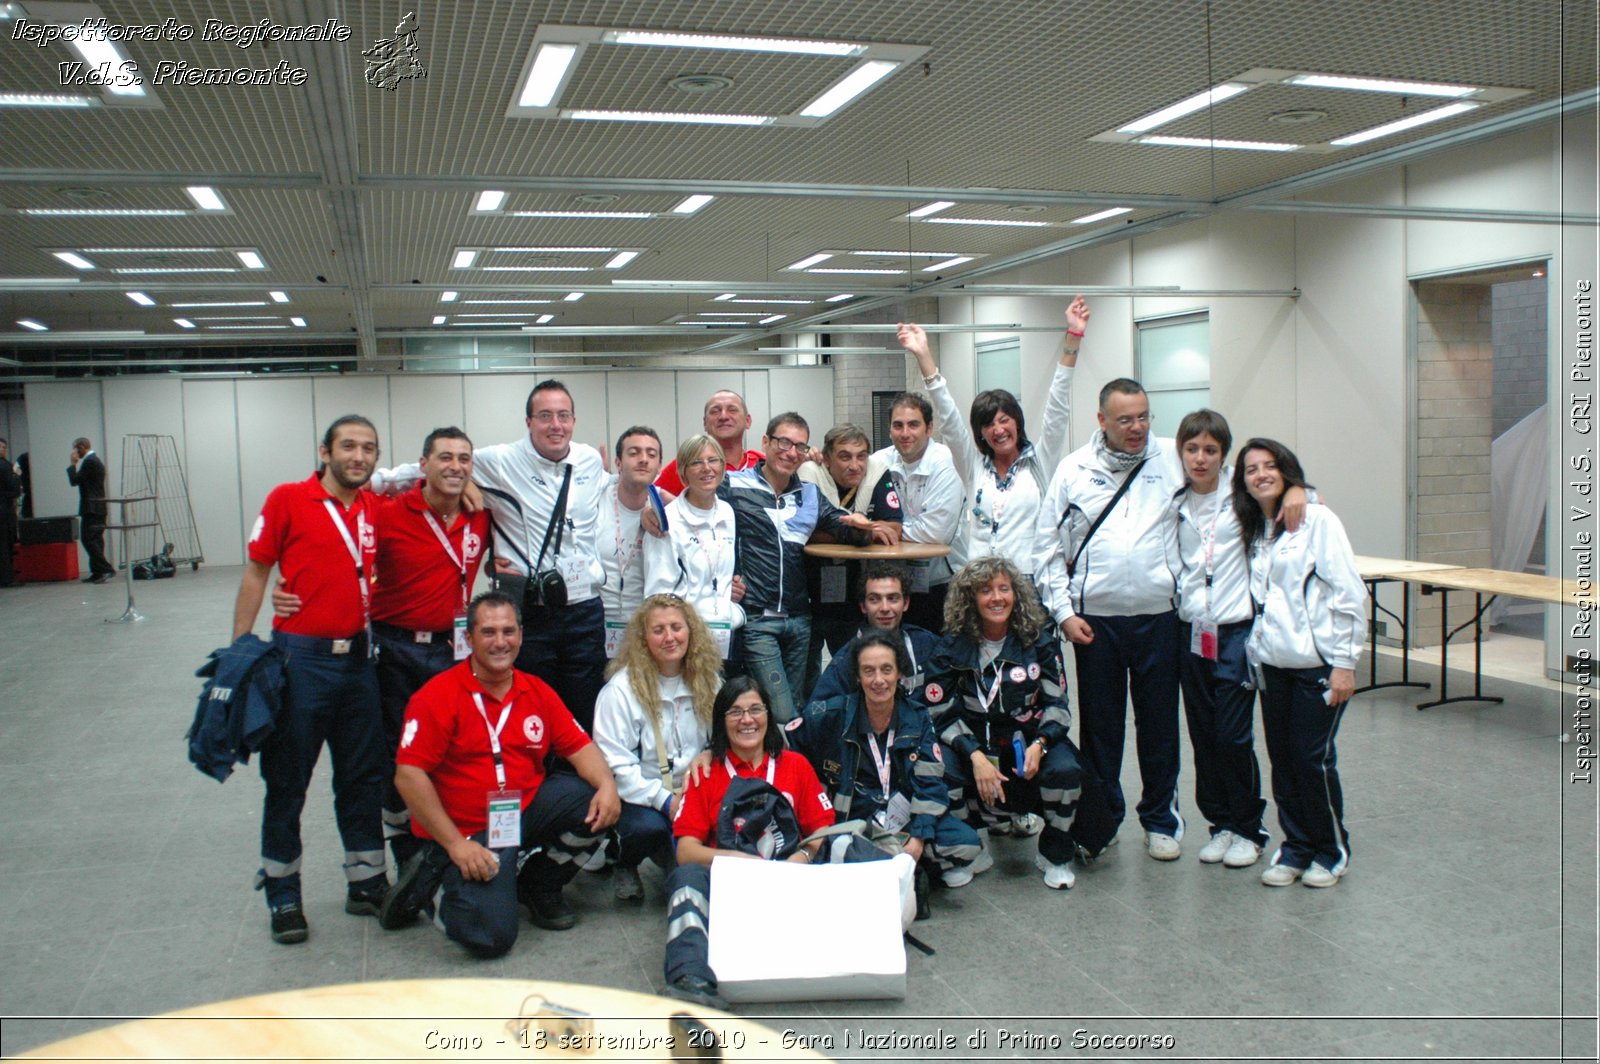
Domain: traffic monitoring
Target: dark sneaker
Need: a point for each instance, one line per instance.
(403, 901)
(364, 899)
(626, 884)
(289, 924)
(696, 991)
(549, 910)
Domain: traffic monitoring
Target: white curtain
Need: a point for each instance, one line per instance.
(1519, 490)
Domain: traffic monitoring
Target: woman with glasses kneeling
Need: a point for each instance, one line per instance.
(997, 699)
(652, 722)
(694, 559)
(747, 751)
(1310, 623)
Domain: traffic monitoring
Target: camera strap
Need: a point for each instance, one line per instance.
(556, 518)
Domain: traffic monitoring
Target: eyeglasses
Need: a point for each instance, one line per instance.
(707, 463)
(1130, 421)
(755, 713)
(783, 445)
(544, 417)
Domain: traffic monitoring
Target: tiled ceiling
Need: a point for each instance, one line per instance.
(357, 198)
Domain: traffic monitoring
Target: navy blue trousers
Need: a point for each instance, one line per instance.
(1137, 654)
(566, 648)
(1300, 728)
(404, 665)
(1220, 711)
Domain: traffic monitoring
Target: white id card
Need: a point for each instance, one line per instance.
(921, 575)
(505, 819)
(574, 572)
(722, 632)
(835, 581)
(1203, 639)
(898, 812)
(459, 641)
(614, 630)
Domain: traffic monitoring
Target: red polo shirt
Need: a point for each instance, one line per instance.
(417, 585)
(793, 776)
(297, 533)
(448, 738)
(668, 479)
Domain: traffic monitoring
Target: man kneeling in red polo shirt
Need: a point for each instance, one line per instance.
(471, 770)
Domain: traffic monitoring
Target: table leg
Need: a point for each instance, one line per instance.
(1373, 610)
(1445, 635)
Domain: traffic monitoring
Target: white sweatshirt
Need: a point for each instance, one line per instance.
(1313, 600)
(629, 743)
(695, 560)
(1211, 542)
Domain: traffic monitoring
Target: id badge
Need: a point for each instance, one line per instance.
(614, 631)
(458, 641)
(505, 819)
(835, 581)
(898, 812)
(921, 576)
(575, 574)
(722, 632)
(1203, 639)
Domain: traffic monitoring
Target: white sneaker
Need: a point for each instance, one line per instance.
(1213, 851)
(1242, 853)
(960, 877)
(1317, 876)
(1056, 876)
(1162, 847)
(1280, 875)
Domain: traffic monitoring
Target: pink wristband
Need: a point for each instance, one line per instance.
(1079, 335)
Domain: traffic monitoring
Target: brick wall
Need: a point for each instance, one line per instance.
(1521, 348)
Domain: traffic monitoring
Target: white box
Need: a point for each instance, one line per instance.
(791, 932)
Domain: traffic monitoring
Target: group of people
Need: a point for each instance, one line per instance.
(652, 653)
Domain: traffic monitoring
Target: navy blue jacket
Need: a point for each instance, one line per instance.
(770, 533)
(1027, 694)
(238, 705)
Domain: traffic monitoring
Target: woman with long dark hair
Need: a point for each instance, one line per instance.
(1307, 640)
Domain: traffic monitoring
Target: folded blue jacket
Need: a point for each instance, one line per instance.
(238, 705)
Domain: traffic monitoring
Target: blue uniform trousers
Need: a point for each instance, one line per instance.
(404, 665)
(1300, 729)
(1220, 711)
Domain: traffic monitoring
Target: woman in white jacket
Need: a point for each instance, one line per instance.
(695, 558)
(653, 723)
(1309, 628)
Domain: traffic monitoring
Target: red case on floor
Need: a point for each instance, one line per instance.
(47, 561)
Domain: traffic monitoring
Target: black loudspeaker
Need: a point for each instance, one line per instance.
(35, 530)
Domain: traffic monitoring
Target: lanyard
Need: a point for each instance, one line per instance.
(1208, 540)
(713, 558)
(494, 736)
(623, 561)
(355, 556)
(882, 760)
(911, 653)
(444, 541)
(733, 773)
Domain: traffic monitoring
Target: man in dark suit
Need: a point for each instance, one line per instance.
(88, 474)
(10, 492)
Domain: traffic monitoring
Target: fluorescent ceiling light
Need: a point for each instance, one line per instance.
(448, 297)
(1204, 142)
(468, 324)
(489, 200)
(810, 261)
(251, 260)
(248, 328)
(838, 270)
(183, 323)
(840, 298)
(198, 306)
(947, 264)
(205, 197)
(1449, 110)
(621, 259)
(1100, 216)
(987, 221)
(534, 269)
(791, 46)
(931, 208)
(731, 314)
(1405, 88)
(1200, 100)
(140, 298)
(279, 297)
(507, 302)
(549, 66)
(14, 284)
(498, 314)
(908, 254)
(236, 317)
(692, 204)
(777, 302)
(149, 251)
(175, 269)
(439, 319)
(105, 212)
(97, 51)
(772, 318)
(572, 297)
(34, 326)
(685, 117)
(76, 261)
(545, 319)
(849, 87)
(555, 251)
(299, 323)
(582, 214)
(724, 297)
(45, 99)
(464, 259)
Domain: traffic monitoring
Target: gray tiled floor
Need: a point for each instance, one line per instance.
(1470, 904)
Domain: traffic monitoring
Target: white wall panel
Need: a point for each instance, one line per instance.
(366, 394)
(694, 387)
(210, 450)
(757, 399)
(496, 405)
(58, 413)
(644, 399)
(417, 406)
(278, 438)
(807, 390)
(589, 403)
(138, 406)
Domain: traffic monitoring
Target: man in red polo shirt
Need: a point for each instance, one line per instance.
(471, 769)
(318, 534)
(726, 420)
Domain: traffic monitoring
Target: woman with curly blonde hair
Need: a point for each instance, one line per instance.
(653, 723)
(997, 699)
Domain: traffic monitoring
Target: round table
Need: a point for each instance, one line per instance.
(904, 551)
(508, 1019)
